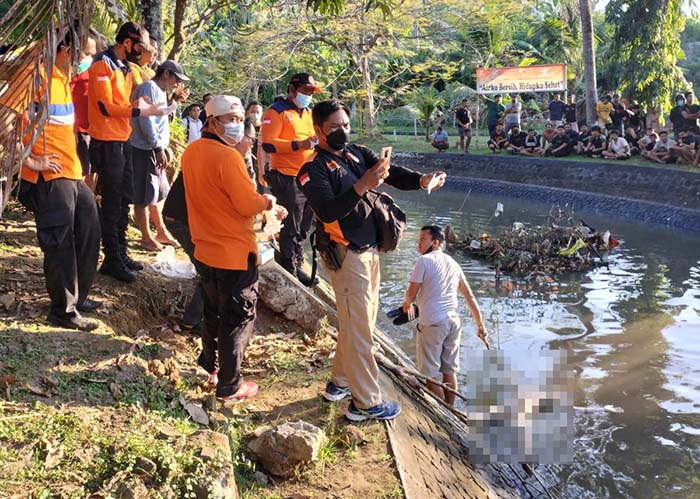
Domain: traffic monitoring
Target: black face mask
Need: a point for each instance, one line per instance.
(337, 139)
(133, 56)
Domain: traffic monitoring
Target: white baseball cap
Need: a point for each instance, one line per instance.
(219, 105)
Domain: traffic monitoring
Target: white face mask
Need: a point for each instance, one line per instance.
(302, 100)
(233, 131)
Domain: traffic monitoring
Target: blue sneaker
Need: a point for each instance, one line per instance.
(388, 409)
(334, 393)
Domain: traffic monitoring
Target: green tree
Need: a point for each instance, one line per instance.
(645, 47)
(427, 100)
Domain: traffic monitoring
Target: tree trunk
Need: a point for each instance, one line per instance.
(178, 30)
(588, 60)
(370, 119)
(152, 12)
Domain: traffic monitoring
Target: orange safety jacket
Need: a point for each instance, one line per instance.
(57, 136)
(221, 203)
(109, 98)
(283, 127)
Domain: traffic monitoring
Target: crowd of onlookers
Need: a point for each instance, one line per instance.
(620, 131)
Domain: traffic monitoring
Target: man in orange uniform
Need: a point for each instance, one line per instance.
(221, 206)
(287, 134)
(109, 110)
(67, 225)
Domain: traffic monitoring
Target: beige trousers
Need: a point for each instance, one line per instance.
(356, 287)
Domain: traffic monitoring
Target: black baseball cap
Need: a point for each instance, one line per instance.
(175, 69)
(130, 30)
(305, 80)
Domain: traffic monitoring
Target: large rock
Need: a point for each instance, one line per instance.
(215, 452)
(282, 448)
(283, 294)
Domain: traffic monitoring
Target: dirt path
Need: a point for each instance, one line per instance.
(104, 413)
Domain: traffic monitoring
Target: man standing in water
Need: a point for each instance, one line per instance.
(435, 281)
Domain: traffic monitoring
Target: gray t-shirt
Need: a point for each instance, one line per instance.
(439, 276)
(515, 116)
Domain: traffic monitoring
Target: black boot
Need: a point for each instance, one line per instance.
(67, 322)
(115, 267)
(128, 261)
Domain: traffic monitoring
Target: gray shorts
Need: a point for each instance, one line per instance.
(437, 347)
(151, 184)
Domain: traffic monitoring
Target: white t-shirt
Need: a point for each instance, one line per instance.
(664, 146)
(193, 129)
(619, 146)
(439, 276)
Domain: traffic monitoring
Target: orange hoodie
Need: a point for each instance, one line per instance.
(221, 204)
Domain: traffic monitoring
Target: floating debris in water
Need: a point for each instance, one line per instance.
(532, 252)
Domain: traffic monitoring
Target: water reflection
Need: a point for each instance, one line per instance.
(632, 331)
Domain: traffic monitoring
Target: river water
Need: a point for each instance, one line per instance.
(631, 331)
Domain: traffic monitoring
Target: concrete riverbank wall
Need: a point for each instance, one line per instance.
(645, 193)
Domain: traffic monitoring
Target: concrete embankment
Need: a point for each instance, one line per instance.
(645, 193)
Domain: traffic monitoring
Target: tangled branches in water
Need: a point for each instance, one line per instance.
(562, 245)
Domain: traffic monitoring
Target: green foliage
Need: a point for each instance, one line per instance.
(644, 49)
(427, 100)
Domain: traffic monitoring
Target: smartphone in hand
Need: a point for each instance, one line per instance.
(385, 153)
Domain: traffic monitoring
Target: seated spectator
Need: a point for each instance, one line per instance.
(618, 148)
(646, 142)
(516, 140)
(440, 141)
(571, 133)
(633, 140)
(556, 110)
(596, 144)
(584, 137)
(498, 140)
(685, 150)
(661, 151)
(548, 133)
(560, 145)
(531, 146)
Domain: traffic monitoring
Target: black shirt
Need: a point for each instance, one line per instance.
(619, 114)
(327, 181)
(532, 143)
(463, 116)
(632, 141)
(517, 140)
(570, 113)
(559, 140)
(572, 135)
(497, 137)
(584, 138)
(175, 205)
(597, 142)
(690, 122)
(677, 118)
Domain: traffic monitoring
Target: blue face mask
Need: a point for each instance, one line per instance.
(83, 66)
(302, 100)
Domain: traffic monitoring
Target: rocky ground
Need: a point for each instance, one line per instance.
(125, 412)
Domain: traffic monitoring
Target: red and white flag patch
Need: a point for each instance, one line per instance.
(304, 179)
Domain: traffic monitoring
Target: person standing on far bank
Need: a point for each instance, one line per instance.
(287, 135)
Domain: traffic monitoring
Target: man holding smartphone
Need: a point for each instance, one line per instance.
(335, 182)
